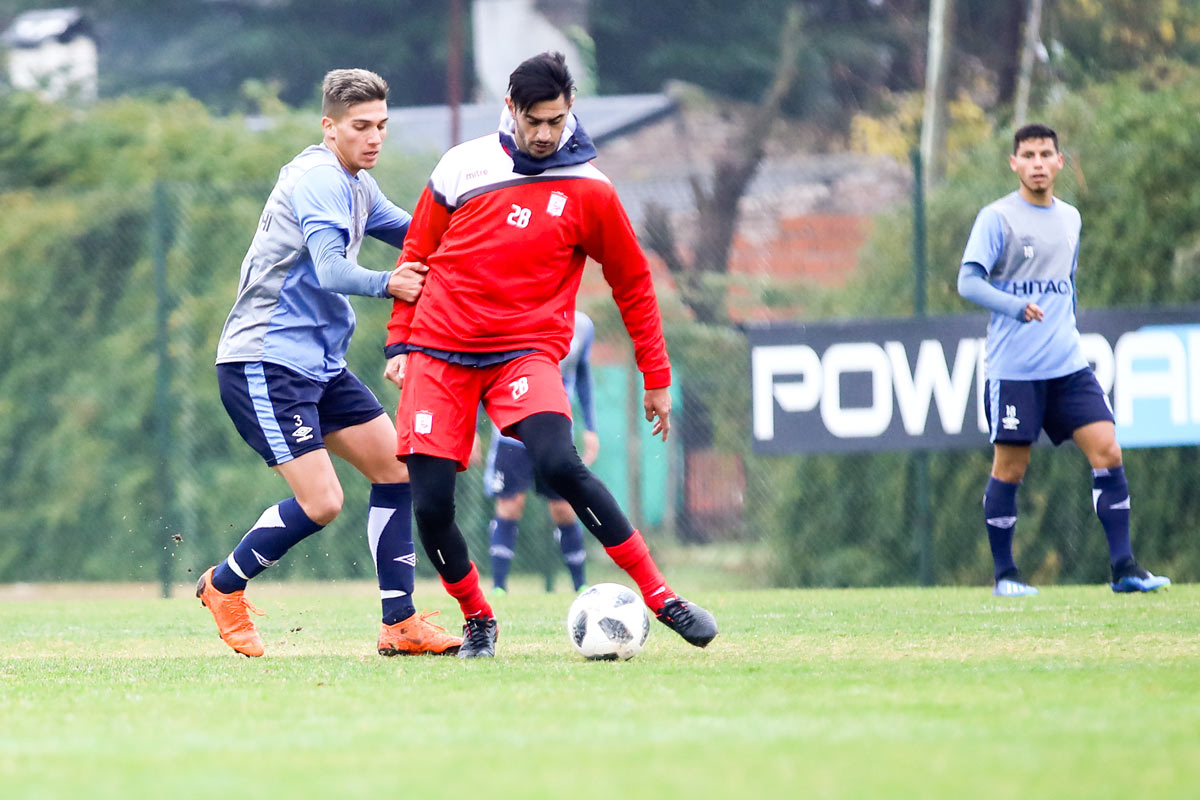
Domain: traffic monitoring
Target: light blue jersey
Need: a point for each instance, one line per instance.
(1030, 252)
(576, 370)
(282, 314)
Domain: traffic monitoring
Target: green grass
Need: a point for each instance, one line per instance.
(898, 693)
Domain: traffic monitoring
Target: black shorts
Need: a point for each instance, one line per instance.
(282, 414)
(1017, 411)
(509, 471)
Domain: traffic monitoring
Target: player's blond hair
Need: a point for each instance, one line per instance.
(343, 88)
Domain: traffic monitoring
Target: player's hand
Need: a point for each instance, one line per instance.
(591, 447)
(657, 403)
(407, 281)
(394, 371)
(1034, 313)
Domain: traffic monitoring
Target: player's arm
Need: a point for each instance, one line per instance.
(610, 239)
(387, 221)
(430, 220)
(973, 285)
(323, 210)
(983, 250)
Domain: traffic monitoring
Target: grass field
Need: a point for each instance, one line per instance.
(898, 693)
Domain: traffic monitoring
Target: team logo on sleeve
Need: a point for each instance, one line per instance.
(558, 202)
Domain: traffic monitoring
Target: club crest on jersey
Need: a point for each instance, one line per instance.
(423, 422)
(558, 202)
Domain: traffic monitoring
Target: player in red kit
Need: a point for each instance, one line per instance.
(505, 226)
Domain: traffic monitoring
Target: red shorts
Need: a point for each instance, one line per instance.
(440, 402)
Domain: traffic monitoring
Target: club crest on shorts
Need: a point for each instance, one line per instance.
(423, 422)
(558, 202)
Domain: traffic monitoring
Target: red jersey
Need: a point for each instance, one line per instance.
(506, 253)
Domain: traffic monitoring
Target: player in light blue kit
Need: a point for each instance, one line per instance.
(282, 370)
(1020, 263)
(509, 473)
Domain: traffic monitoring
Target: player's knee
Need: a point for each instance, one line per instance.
(561, 470)
(322, 507)
(1108, 457)
(433, 512)
(510, 507)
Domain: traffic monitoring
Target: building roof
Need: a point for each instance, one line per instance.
(419, 129)
(35, 28)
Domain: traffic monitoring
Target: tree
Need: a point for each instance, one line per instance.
(717, 198)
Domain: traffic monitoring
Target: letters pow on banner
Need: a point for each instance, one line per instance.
(909, 384)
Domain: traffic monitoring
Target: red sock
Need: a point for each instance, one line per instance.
(633, 556)
(469, 596)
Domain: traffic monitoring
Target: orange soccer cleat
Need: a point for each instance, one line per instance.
(231, 611)
(416, 636)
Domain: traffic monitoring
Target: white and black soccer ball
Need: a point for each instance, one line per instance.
(608, 622)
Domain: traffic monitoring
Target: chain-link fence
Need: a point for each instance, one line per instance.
(122, 465)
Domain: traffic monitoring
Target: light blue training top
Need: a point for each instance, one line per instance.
(1029, 253)
(576, 370)
(291, 307)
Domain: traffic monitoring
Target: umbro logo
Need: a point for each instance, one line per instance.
(303, 432)
(408, 558)
(263, 561)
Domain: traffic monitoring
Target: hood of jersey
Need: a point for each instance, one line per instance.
(575, 147)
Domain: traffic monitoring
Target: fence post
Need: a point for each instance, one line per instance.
(922, 525)
(160, 235)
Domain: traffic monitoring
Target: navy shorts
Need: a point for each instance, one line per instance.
(509, 472)
(1018, 410)
(282, 414)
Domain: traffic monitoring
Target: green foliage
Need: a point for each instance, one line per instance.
(852, 50)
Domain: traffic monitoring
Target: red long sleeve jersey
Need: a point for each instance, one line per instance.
(506, 254)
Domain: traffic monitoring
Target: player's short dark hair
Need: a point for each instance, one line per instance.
(343, 88)
(540, 78)
(1034, 131)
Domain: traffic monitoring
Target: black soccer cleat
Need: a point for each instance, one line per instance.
(479, 638)
(689, 620)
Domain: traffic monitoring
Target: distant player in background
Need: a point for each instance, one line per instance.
(1020, 263)
(509, 473)
(282, 370)
(505, 225)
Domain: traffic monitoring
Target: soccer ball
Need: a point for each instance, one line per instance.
(608, 622)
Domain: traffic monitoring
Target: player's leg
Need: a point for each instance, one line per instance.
(433, 480)
(435, 430)
(275, 411)
(569, 534)
(1009, 463)
(507, 477)
(1014, 416)
(1077, 408)
(1110, 499)
(502, 538)
(370, 447)
(547, 436)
